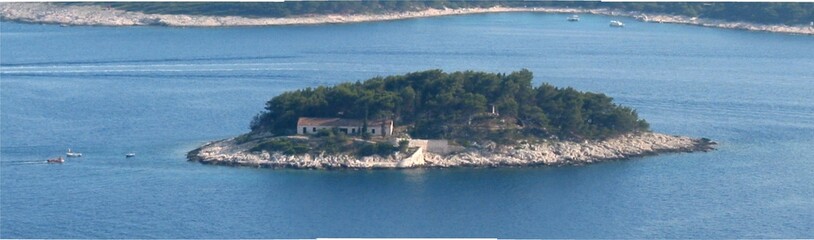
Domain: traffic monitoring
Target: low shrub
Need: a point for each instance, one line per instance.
(286, 146)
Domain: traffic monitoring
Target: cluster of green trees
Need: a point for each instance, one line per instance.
(330, 141)
(771, 13)
(436, 104)
(379, 148)
(382, 148)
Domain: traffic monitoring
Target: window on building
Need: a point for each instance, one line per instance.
(315, 129)
(373, 131)
(353, 130)
(304, 130)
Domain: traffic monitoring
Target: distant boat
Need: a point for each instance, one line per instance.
(615, 23)
(573, 18)
(129, 155)
(56, 160)
(72, 154)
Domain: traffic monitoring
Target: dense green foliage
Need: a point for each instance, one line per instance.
(457, 105)
(403, 146)
(333, 141)
(771, 13)
(379, 148)
(329, 141)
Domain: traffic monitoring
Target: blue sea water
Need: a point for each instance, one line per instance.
(162, 91)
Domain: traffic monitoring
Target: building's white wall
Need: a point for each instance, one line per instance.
(377, 130)
(373, 130)
(310, 129)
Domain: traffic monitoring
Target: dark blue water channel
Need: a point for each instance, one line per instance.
(160, 92)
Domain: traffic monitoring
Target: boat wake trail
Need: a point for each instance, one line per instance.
(162, 60)
(25, 162)
(185, 70)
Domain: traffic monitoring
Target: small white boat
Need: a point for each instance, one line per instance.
(72, 154)
(615, 23)
(129, 155)
(573, 18)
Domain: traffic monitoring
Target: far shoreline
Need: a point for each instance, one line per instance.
(43, 13)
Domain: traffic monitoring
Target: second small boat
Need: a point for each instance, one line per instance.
(72, 153)
(129, 155)
(615, 23)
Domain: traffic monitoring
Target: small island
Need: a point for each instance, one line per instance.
(438, 119)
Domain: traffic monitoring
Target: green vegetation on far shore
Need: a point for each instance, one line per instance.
(757, 12)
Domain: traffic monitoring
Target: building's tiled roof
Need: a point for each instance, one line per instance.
(379, 122)
(337, 122)
(328, 122)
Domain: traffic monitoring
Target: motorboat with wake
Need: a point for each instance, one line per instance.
(56, 160)
(615, 23)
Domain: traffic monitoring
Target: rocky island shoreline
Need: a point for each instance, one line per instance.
(231, 152)
(104, 16)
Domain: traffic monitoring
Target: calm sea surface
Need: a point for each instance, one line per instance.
(161, 91)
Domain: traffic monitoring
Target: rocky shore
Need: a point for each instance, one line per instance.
(98, 15)
(550, 153)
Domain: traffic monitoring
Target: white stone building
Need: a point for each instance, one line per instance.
(307, 125)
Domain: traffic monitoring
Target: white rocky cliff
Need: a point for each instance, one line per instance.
(227, 152)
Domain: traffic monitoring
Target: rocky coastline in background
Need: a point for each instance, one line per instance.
(103, 16)
(549, 153)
